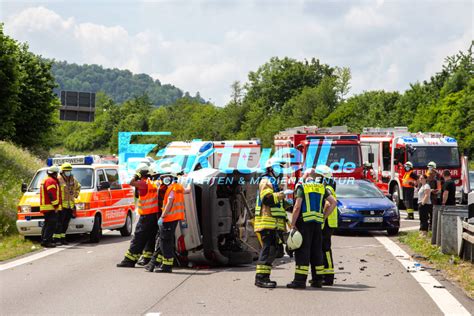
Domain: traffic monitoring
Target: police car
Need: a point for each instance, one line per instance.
(104, 202)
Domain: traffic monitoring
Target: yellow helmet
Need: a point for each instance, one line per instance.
(66, 166)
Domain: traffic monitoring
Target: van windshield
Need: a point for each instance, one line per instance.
(83, 175)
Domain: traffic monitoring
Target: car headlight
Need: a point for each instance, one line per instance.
(392, 211)
(345, 210)
(82, 206)
(25, 208)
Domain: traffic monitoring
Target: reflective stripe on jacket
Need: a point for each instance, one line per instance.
(332, 219)
(267, 217)
(176, 213)
(50, 195)
(148, 204)
(312, 206)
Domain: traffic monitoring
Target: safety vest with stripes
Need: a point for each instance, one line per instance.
(276, 218)
(312, 206)
(50, 195)
(148, 204)
(407, 179)
(176, 213)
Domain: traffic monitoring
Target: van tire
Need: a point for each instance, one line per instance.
(126, 230)
(96, 233)
(393, 231)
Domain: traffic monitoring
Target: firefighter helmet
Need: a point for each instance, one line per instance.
(53, 169)
(409, 164)
(324, 171)
(295, 240)
(432, 164)
(66, 166)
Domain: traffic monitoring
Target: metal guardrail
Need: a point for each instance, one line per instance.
(467, 246)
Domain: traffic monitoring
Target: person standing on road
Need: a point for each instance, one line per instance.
(147, 223)
(425, 208)
(449, 189)
(157, 256)
(309, 212)
(408, 184)
(50, 205)
(173, 213)
(270, 220)
(70, 189)
(434, 180)
(328, 228)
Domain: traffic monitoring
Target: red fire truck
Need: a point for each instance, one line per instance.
(334, 147)
(392, 147)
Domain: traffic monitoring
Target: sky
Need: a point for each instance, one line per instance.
(207, 45)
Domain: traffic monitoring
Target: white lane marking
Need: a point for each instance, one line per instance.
(34, 257)
(446, 302)
(42, 254)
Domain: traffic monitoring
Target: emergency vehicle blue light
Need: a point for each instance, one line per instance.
(205, 147)
(49, 162)
(349, 137)
(410, 139)
(88, 160)
(450, 139)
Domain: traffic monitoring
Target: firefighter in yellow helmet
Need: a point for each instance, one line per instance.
(270, 220)
(70, 189)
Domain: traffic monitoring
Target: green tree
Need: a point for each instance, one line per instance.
(10, 84)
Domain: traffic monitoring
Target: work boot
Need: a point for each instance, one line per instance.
(410, 216)
(150, 266)
(164, 269)
(126, 263)
(143, 261)
(317, 283)
(328, 282)
(48, 244)
(63, 241)
(265, 283)
(296, 285)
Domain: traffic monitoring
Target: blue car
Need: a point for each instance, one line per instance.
(363, 207)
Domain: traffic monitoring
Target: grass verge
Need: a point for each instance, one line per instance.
(454, 268)
(16, 245)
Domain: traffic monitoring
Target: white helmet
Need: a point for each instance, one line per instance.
(143, 167)
(432, 164)
(274, 161)
(367, 164)
(53, 169)
(295, 240)
(324, 170)
(408, 164)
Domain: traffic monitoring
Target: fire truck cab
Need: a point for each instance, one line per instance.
(334, 147)
(105, 202)
(392, 147)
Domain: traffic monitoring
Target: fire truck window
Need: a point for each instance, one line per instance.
(386, 156)
(113, 177)
(400, 155)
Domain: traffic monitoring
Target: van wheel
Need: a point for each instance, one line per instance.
(126, 230)
(393, 231)
(96, 232)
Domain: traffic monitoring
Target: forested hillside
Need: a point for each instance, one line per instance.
(120, 85)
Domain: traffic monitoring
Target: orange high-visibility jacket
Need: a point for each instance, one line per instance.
(50, 195)
(407, 179)
(176, 213)
(148, 203)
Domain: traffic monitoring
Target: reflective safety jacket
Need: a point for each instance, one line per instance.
(176, 213)
(50, 195)
(332, 219)
(312, 206)
(148, 203)
(70, 189)
(269, 216)
(407, 179)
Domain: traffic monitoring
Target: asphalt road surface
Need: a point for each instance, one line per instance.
(83, 279)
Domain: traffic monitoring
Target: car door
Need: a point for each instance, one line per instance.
(117, 204)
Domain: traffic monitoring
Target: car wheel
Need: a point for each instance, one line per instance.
(126, 230)
(393, 231)
(396, 197)
(96, 232)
